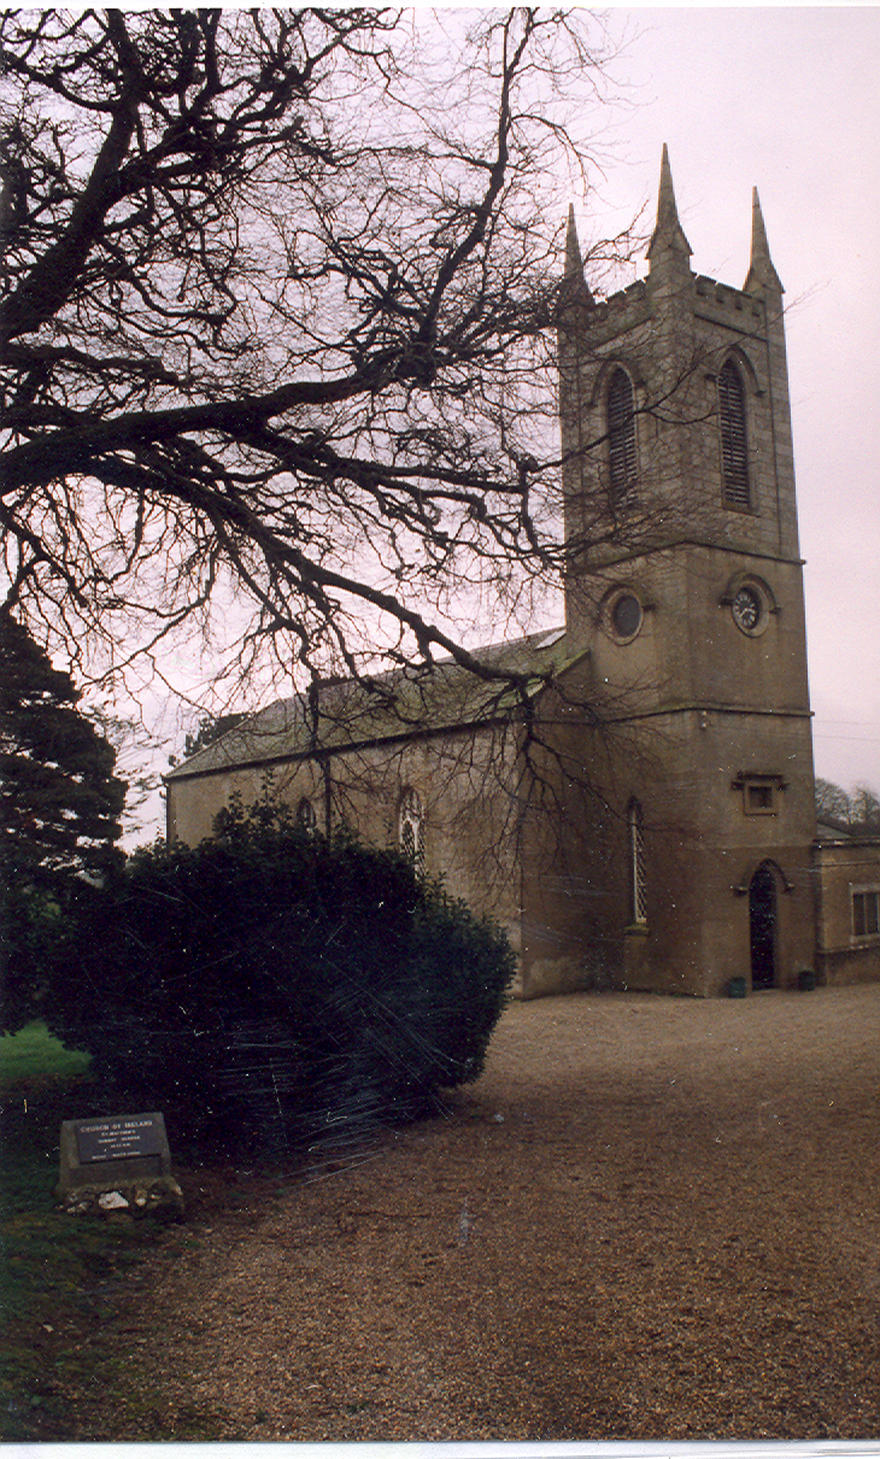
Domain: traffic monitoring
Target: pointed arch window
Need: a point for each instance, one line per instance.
(638, 885)
(305, 815)
(734, 439)
(411, 827)
(621, 435)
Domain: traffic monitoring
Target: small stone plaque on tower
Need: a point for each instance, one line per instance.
(118, 1164)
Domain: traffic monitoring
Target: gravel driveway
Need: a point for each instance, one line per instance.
(650, 1219)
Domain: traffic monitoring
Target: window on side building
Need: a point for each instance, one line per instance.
(866, 911)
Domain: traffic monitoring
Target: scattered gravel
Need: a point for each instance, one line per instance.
(650, 1219)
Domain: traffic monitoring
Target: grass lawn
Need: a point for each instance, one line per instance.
(34, 1057)
(51, 1264)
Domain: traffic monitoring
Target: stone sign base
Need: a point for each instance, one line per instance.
(118, 1165)
(161, 1198)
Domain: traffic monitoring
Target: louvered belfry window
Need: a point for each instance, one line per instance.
(734, 444)
(621, 435)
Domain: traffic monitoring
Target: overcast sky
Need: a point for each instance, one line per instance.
(788, 100)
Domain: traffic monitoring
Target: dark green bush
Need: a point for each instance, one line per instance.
(271, 986)
(33, 929)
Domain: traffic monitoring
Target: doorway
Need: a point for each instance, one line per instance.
(762, 927)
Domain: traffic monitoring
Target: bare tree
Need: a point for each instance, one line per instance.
(865, 813)
(279, 289)
(857, 810)
(833, 803)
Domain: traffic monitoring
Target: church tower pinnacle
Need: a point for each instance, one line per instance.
(573, 263)
(576, 285)
(669, 248)
(762, 275)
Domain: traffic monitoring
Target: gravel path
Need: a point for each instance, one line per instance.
(650, 1219)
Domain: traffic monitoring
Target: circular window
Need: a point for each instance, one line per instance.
(748, 609)
(626, 616)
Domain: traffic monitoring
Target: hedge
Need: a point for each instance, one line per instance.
(272, 986)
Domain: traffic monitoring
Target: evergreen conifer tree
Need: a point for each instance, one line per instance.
(60, 801)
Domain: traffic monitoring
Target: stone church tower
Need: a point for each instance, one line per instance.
(685, 583)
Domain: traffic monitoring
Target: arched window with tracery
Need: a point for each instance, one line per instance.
(734, 437)
(411, 827)
(621, 426)
(638, 883)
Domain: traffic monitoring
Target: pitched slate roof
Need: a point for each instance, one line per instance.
(832, 832)
(342, 714)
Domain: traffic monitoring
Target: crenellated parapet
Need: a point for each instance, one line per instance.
(671, 293)
(721, 304)
(619, 313)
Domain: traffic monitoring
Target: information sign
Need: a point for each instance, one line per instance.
(120, 1137)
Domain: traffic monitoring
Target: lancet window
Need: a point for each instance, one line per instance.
(637, 870)
(411, 826)
(305, 814)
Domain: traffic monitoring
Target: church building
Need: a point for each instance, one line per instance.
(639, 813)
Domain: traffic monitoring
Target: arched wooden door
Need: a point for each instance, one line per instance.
(762, 927)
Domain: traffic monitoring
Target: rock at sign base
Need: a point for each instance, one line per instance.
(162, 1199)
(112, 1201)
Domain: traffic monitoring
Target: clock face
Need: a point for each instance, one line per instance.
(746, 609)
